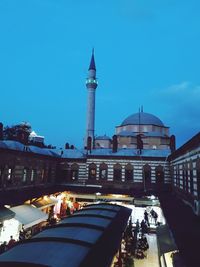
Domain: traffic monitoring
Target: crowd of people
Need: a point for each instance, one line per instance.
(143, 229)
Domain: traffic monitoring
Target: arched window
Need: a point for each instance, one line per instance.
(191, 179)
(198, 177)
(178, 176)
(147, 177)
(186, 177)
(92, 173)
(172, 173)
(129, 172)
(74, 172)
(183, 175)
(159, 177)
(117, 172)
(49, 174)
(103, 171)
(2, 168)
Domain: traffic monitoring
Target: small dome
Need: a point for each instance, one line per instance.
(145, 118)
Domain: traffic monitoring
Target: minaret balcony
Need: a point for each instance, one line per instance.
(92, 81)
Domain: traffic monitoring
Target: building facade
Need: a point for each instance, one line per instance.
(185, 172)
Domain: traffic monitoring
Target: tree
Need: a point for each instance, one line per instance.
(19, 132)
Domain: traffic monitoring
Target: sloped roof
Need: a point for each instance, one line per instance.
(81, 242)
(15, 145)
(10, 144)
(131, 152)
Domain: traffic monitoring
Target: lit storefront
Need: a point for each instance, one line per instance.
(63, 206)
(29, 217)
(46, 204)
(8, 225)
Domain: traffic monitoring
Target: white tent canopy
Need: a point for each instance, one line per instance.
(28, 215)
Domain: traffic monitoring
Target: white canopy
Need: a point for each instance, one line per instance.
(28, 215)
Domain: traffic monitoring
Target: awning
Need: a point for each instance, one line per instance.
(6, 214)
(28, 215)
(45, 202)
(165, 239)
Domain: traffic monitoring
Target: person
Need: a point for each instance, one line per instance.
(155, 217)
(146, 217)
(144, 227)
(3, 247)
(22, 233)
(76, 206)
(68, 211)
(137, 226)
(11, 242)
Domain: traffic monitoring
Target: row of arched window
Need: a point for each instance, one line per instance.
(117, 172)
(184, 176)
(12, 176)
(103, 172)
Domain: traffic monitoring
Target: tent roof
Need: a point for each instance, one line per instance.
(85, 239)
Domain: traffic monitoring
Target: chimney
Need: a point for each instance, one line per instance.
(67, 146)
(139, 142)
(115, 144)
(1, 131)
(89, 143)
(172, 143)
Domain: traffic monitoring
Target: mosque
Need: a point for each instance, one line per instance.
(136, 157)
(140, 157)
(139, 128)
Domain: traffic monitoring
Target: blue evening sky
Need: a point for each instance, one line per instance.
(147, 53)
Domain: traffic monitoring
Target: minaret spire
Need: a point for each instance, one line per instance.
(91, 84)
(92, 62)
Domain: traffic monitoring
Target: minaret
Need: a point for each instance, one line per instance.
(91, 84)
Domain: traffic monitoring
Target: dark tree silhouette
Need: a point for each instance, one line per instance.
(19, 132)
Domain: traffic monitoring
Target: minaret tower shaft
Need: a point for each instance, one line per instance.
(91, 84)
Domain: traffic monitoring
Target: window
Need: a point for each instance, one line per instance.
(74, 172)
(1, 175)
(103, 171)
(198, 183)
(25, 176)
(92, 172)
(9, 176)
(33, 175)
(129, 172)
(191, 182)
(49, 175)
(183, 179)
(43, 175)
(147, 176)
(117, 174)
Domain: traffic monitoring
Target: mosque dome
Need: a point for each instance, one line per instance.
(145, 119)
